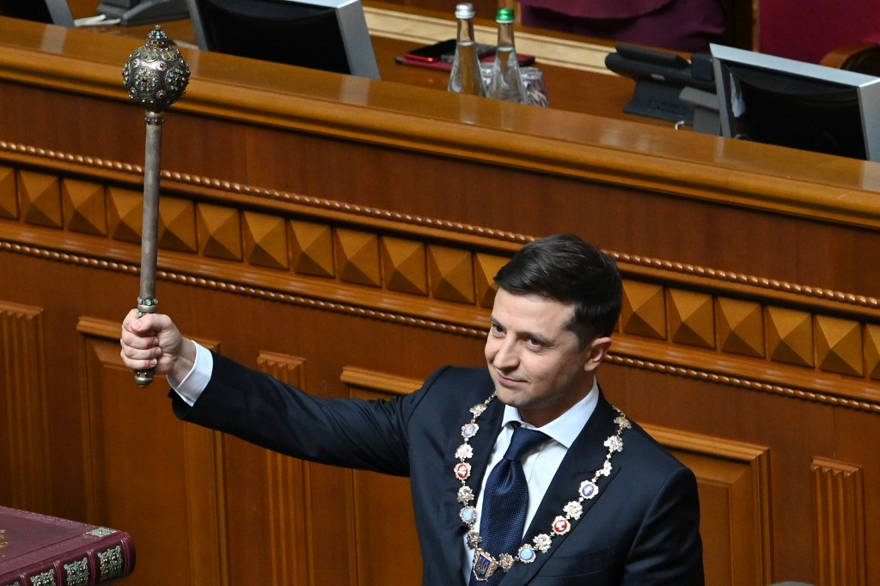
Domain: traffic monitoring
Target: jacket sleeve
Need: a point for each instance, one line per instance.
(257, 408)
(667, 549)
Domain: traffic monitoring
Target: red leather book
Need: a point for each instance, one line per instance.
(39, 550)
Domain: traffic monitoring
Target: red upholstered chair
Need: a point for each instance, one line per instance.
(808, 30)
(861, 57)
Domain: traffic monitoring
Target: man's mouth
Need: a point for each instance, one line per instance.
(508, 381)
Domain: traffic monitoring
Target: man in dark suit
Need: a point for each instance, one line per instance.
(521, 473)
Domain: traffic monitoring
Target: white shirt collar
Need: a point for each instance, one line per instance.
(565, 428)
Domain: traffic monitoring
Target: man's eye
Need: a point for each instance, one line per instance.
(533, 343)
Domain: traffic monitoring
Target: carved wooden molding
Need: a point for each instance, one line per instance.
(755, 332)
(838, 495)
(379, 381)
(23, 408)
(289, 500)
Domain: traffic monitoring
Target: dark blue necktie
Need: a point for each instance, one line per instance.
(506, 499)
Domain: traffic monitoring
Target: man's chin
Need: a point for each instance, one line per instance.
(510, 396)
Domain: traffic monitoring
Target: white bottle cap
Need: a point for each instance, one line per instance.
(464, 10)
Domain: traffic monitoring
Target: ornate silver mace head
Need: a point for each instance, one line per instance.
(156, 74)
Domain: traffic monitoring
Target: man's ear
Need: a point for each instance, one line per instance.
(596, 352)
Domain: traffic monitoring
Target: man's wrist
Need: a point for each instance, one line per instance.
(185, 361)
(190, 386)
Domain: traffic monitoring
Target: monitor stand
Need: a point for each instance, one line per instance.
(659, 100)
(131, 12)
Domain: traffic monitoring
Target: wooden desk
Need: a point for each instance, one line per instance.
(342, 233)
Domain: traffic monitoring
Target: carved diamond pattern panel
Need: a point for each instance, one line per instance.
(643, 312)
(790, 336)
(312, 248)
(84, 207)
(839, 345)
(8, 194)
(177, 225)
(740, 326)
(404, 263)
(219, 232)
(691, 318)
(40, 196)
(265, 240)
(452, 274)
(358, 257)
(486, 266)
(872, 350)
(838, 494)
(125, 213)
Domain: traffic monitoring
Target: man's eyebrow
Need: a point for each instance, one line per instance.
(540, 338)
(543, 340)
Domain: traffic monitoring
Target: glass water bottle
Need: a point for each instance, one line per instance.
(465, 77)
(506, 83)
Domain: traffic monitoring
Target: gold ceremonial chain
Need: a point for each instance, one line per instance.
(485, 564)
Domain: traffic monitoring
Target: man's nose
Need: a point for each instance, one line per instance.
(506, 356)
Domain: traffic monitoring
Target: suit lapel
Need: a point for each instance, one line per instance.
(584, 457)
(490, 423)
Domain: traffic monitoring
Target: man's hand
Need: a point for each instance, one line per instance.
(153, 341)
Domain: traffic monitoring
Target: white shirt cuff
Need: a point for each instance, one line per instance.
(191, 386)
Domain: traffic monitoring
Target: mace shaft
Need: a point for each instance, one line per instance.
(147, 301)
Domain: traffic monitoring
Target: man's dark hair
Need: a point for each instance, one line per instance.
(565, 268)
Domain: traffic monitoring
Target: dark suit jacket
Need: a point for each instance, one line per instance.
(642, 528)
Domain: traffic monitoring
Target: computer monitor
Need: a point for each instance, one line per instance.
(330, 35)
(48, 11)
(133, 12)
(802, 105)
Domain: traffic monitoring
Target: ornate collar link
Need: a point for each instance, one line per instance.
(485, 564)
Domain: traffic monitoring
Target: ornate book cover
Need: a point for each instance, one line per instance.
(39, 550)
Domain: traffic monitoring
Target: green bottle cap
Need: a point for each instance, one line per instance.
(505, 15)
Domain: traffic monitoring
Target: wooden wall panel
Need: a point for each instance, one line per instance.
(734, 484)
(384, 525)
(713, 327)
(288, 515)
(839, 496)
(143, 468)
(24, 437)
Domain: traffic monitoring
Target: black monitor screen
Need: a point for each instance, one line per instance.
(785, 110)
(26, 9)
(296, 33)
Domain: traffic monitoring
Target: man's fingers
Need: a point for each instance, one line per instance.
(144, 352)
(137, 364)
(138, 341)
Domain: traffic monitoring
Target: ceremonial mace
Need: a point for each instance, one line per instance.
(155, 76)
